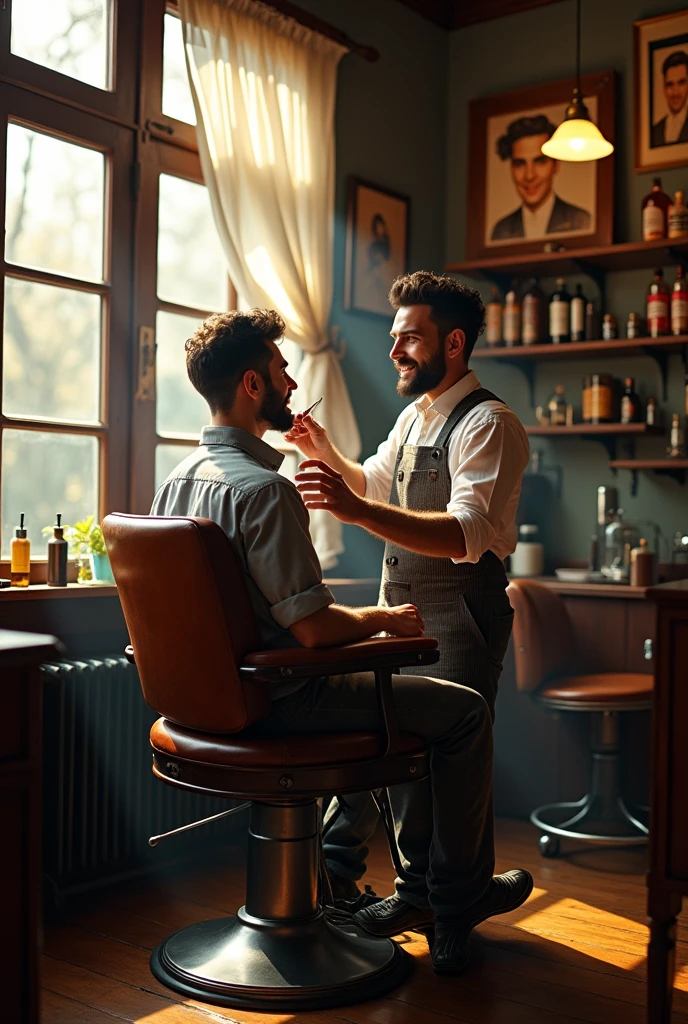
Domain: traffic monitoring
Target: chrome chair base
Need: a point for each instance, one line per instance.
(259, 964)
(616, 825)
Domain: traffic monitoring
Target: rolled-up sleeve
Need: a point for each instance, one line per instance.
(489, 466)
(281, 559)
(379, 468)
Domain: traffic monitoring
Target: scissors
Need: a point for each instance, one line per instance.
(309, 410)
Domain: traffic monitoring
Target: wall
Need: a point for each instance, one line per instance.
(525, 49)
(391, 122)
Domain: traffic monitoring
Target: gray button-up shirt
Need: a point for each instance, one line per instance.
(233, 480)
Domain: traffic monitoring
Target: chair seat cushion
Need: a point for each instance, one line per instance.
(600, 687)
(273, 751)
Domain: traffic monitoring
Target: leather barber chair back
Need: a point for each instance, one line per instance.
(196, 646)
(547, 657)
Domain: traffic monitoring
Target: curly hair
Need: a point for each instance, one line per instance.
(522, 129)
(453, 304)
(225, 346)
(674, 60)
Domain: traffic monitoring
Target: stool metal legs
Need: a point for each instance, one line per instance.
(603, 807)
(280, 952)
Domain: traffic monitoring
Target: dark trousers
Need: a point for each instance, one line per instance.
(444, 825)
(484, 627)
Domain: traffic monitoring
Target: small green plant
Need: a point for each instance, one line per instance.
(84, 537)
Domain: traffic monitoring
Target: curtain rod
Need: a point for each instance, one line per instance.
(312, 21)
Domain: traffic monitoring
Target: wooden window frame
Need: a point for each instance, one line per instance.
(56, 119)
(118, 104)
(158, 125)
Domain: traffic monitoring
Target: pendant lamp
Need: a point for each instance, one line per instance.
(577, 138)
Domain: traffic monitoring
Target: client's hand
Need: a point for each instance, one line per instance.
(405, 620)
(309, 437)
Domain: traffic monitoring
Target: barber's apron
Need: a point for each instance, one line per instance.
(464, 605)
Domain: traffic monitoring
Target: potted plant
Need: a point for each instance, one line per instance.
(87, 546)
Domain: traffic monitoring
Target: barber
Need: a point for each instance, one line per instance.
(442, 492)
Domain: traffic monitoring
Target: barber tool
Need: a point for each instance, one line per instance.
(309, 410)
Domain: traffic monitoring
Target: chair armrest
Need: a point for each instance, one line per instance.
(364, 656)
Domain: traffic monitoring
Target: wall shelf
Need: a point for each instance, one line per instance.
(606, 433)
(675, 468)
(524, 357)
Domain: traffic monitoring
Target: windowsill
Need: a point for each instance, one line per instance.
(42, 592)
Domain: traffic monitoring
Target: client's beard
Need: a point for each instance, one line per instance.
(427, 376)
(273, 410)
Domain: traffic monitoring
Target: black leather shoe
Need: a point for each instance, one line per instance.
(451, 947)
(392, 916)
(348, 897)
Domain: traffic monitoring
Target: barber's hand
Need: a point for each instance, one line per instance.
(321, 487)
(405, 620)
(309, 437)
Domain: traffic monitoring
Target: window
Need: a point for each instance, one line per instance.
(69, 36)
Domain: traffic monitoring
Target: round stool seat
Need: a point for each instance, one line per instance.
(600, 691)
(272, 766)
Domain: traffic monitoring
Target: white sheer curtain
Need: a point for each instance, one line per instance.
(264, 91)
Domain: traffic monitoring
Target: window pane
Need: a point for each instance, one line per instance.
(176, 91)
(69, 36)
(55, 202)
(43, 474)
(167, 456)
(52, 353)
(180, 410)
(191, 265)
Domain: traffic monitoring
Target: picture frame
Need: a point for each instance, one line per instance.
(520, 201)
(661, 92)
(377, 245)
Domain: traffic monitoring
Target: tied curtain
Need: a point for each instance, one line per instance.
(264, 91)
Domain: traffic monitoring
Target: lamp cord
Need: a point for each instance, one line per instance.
(578, 46)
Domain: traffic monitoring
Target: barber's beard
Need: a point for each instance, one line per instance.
(273, 410)
(427, 375)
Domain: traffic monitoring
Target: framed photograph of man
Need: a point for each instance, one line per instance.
(661, 92)
(520, 200)
(377, 244)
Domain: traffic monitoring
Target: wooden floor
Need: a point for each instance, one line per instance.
(574, 952)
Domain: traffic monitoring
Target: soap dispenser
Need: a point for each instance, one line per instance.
(20, 548)
(57, 556)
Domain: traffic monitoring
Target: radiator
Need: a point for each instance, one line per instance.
(101, 801)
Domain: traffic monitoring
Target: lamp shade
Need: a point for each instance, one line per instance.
(577, 139)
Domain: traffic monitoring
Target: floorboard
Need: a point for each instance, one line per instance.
(575, 952)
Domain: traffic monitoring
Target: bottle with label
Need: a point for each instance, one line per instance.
(658, 306)
(493, 320)
(631, 407)
(593, 324)
(557, 407)
(678, 217)
(20, 548)
(560, 314)
(57, 556)
(679, 304)
(651, 412)
(578, 305)
(642, 565)
(676, 438)
(534, 315)
(511, 329)
(655, 211)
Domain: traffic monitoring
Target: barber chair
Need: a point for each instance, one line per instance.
(547, 659)
(196, 646)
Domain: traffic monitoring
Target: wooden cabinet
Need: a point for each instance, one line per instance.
(20, 814)
(668, 874)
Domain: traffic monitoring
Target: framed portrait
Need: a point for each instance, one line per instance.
(661, 92)
(520, 200)
(377, 245)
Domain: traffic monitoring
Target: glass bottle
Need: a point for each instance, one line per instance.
(678, 217)
(533, 314)
(559, 314)
(593, 326)
(58, 549)
(578, 305)
(512, 320)
(655, 211)
(679, 303)
(631, 407)
(493, 320)
(658, 306)
(676, 437)
(557, 407)
(651, 412)
(20, 548)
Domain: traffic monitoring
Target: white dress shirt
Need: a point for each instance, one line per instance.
(673, 126)
(487, 454)
(536, 222)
